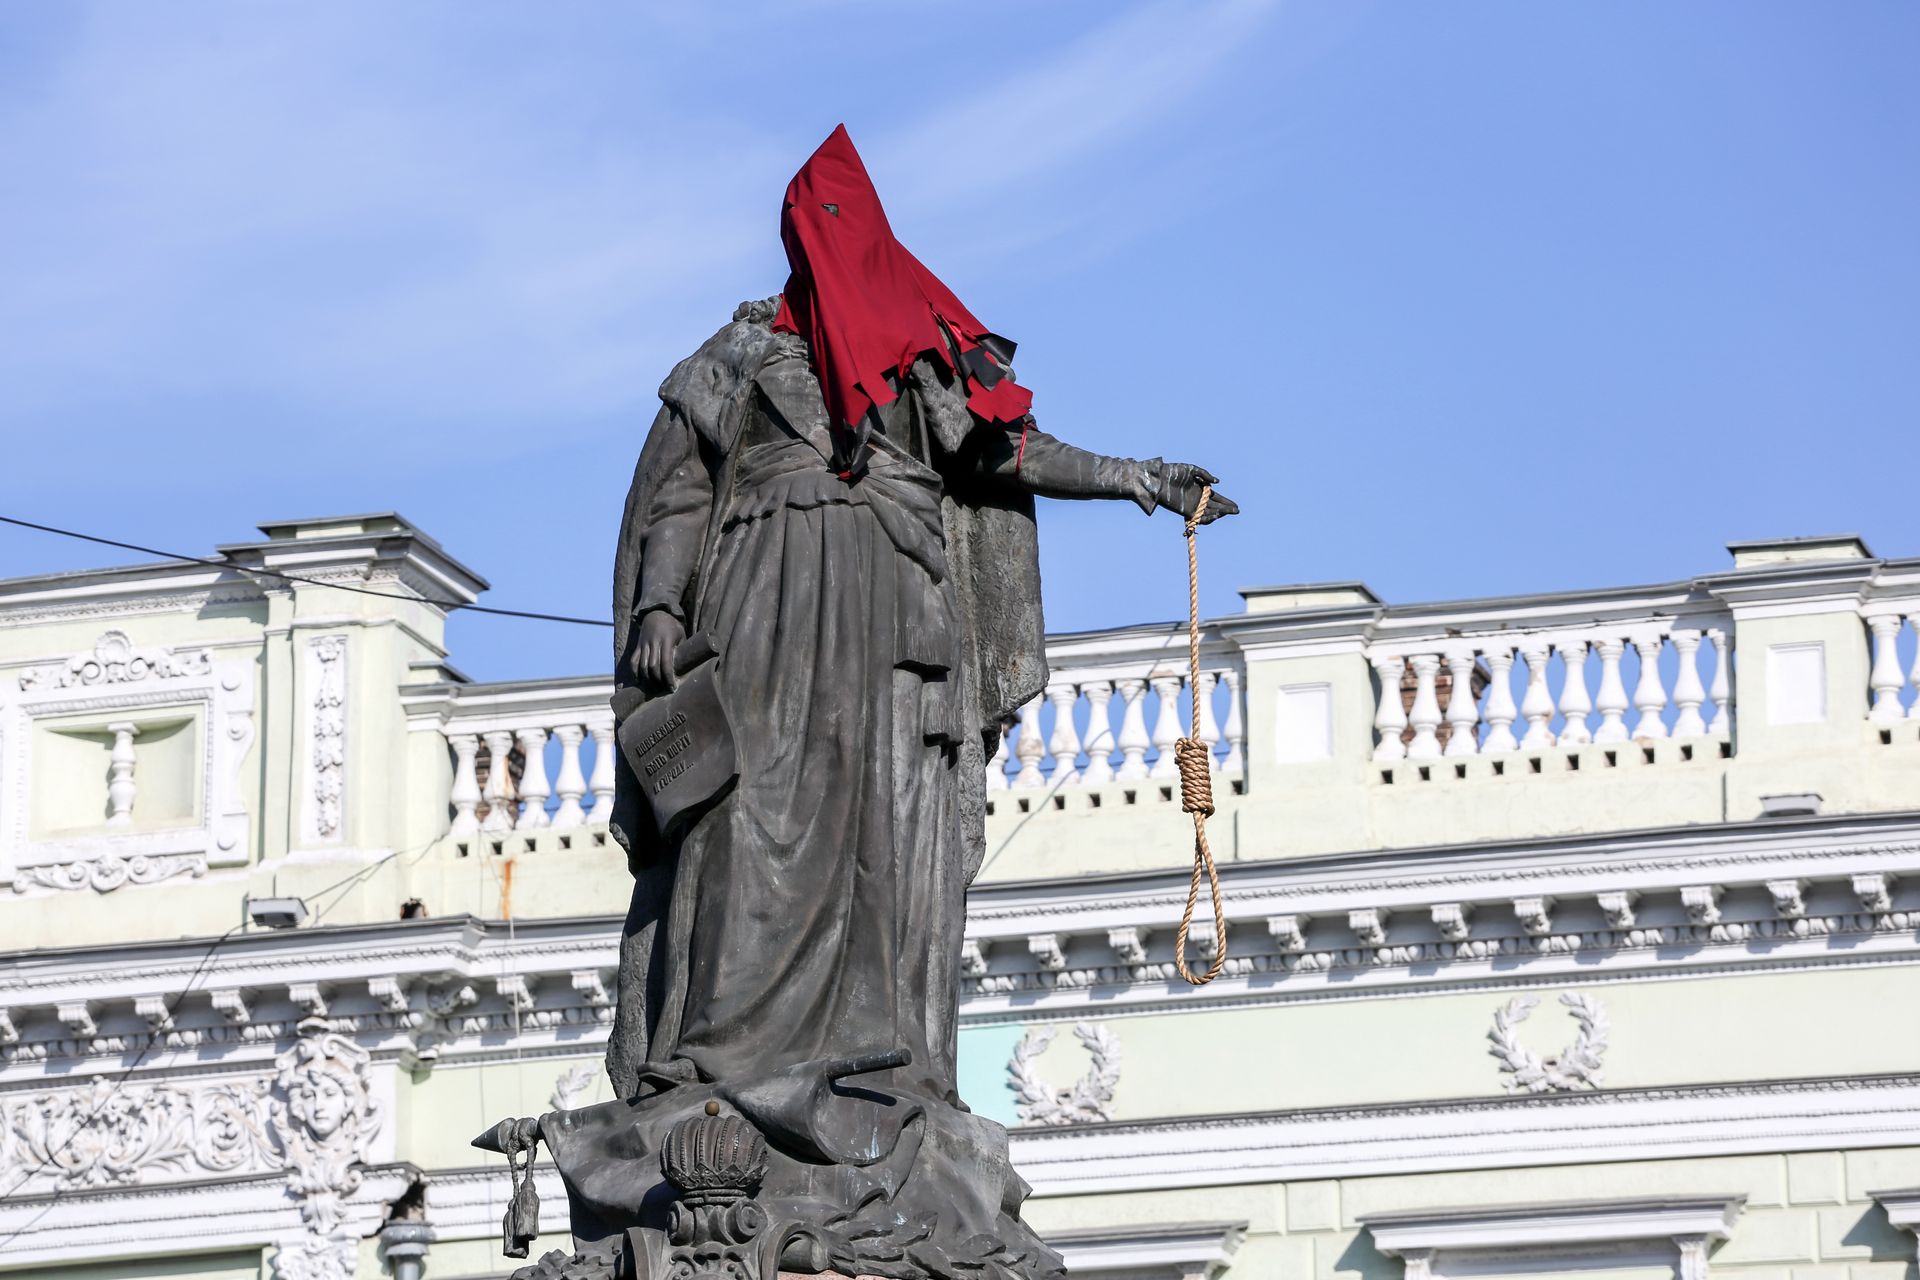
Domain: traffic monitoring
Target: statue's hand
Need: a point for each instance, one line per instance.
(1179, 490)
(660, 634)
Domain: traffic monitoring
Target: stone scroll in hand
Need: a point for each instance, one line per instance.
(679, 744)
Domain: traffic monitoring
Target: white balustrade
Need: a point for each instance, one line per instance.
(557, 734)
(1105, 718)
(1553, 703)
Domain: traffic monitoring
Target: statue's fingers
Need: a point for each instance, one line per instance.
(1219, 505)
(1206, 475)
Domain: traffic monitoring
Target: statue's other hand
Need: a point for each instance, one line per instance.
(1180, 484)
(660, 634)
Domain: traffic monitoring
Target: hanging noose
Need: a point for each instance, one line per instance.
(1195, 763)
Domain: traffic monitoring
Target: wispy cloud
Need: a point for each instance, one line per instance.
(389, 216)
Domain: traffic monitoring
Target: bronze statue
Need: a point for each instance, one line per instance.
(830, 539)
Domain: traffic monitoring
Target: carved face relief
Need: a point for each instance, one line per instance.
(321, 1103)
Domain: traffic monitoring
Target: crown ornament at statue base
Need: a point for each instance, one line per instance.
(799, 1173)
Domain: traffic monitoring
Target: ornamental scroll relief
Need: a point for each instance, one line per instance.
(314, 1119)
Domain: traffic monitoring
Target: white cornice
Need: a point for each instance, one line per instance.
(1684, 1228)
(1517, 1132)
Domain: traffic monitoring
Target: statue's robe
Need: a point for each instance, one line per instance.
(875, 636)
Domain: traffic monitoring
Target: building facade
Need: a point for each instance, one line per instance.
(1608, 966)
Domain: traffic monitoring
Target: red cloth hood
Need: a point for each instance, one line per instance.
(867, 307)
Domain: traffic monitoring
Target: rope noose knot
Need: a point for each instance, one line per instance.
(1195, 763)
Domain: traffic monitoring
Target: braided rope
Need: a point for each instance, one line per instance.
(1195, 763)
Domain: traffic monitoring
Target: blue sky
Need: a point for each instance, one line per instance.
(1459, 299)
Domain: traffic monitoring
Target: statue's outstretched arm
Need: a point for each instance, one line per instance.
(1029, 458)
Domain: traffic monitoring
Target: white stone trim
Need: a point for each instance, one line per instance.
(1902, 1207)
(182, 1218)
(1171, 1251)
(1505, 1133)
(1573, 1236)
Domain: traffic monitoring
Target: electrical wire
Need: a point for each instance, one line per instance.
(449, 606)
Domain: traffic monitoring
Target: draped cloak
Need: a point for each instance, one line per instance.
(984, 552)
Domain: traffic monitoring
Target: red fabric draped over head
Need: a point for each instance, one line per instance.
(866, 306)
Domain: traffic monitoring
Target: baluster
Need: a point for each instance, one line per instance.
(1500, 708)
(120, 784)
(499, 794)
(1133, 731)
(1029, 747)
(1390, 718)
(1166, 723)
(570, 785)
(601, 781)
(997, 766)
(1426, 708)
(1649, 695)
(1235, 761)
(465, 794)
(1536, 704)
(1886, 679)
(1574, 702)
(1722, 689)
(1688, 693)
(1463, 713)
(534, 788)
(1065, 742)
(1613, 691)
(1209, 726)
(1913, 676)
(1099, 733)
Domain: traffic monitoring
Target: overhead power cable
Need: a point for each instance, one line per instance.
(449, 606)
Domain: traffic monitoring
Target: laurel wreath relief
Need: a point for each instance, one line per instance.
(1090, 1097)
(1575, 1067)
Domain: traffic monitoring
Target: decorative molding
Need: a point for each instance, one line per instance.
(1129, 943)
(1516, 1132)
(1702, 903)
(1453, 920)
(312, 1116)
(1369, 925)
(1091, 1096)
(1535, 915)
(1575, 1067)
(1789, 898)
(327, 737)
(1580, 1234)
(1289, 933)
(1902, 1207)
(110, 871)
(115, 659)
(1046, 951)
(1617, 907)
(101, 1135)
(1875, 891)
(1153, 1251)
(120, 685)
